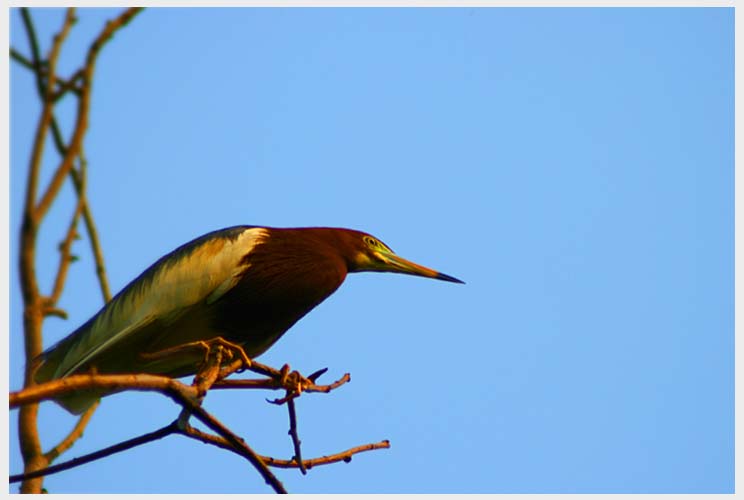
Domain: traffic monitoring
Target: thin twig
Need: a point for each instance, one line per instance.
(46, 114)
(74, 174)
(78, 176)
(81, 122)
(21, 59)
(55, 311)
(204, 437)
(33, 43)
(295, 436)
(169, 429)
(344, 456)
(73, 436)
(71, 84)
(238, 443)
(65, 255)
(95, 243)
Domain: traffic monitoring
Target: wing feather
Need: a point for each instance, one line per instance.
(203, 269)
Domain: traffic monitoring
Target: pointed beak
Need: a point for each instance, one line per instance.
(395, 264)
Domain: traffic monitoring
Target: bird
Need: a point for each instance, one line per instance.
(247, 285)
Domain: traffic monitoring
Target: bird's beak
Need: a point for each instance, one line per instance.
(395, 264)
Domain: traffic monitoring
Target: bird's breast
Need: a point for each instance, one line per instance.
(274, 292)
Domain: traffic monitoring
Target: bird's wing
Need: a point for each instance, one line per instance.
(203, 269)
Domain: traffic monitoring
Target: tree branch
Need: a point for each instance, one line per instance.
(21, 59)
(114, 383)
(344, 456)
(36, 307)
(73, 436)
(90, 226)
(295, 436)
(83, 106)
(33, 43)
(169, 429)
(204, 437)
(46, 114)
(65, 256)
(33, 313)
(74, 174)
(71, 84)
(188, 397)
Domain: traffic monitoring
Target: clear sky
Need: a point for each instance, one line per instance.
(574, 166)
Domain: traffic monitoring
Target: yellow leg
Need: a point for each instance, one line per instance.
(231, 349)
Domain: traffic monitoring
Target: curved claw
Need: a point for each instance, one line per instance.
(315, 375)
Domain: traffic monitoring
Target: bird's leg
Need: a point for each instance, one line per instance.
(230, 351)
(210, 370)
(208, 373)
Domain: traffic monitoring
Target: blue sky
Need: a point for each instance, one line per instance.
(574, 166)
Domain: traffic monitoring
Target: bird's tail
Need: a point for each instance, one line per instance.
(47, 368)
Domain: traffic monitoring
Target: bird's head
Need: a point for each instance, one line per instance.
(371, 254)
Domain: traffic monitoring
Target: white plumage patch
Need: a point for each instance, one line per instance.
(198, 271)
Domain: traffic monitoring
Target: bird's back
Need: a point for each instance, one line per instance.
(177, 281)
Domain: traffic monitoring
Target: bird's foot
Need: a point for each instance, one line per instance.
(219, 352)
(231, 351)
(228, 350)
(293, 382)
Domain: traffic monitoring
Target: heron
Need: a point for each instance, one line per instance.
(247, 285)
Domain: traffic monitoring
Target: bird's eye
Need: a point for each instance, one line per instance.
(371, 242)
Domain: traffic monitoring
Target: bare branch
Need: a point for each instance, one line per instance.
(204, 437)
(55, 311)
(65, 257)
(77, 176)
(295, 436)
(81, 123)
(35, 306)
(71, 84)
(33, 314)
(186, 396)
(62, 150)
(21, 59)
(73, 436)
(169, 429)
(239, 444)
(90, 226)
(33, 43)
(46, 116)
(114, 383)
(344, 456)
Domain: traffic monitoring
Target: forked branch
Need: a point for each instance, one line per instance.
(189, 398)
(50, 88)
